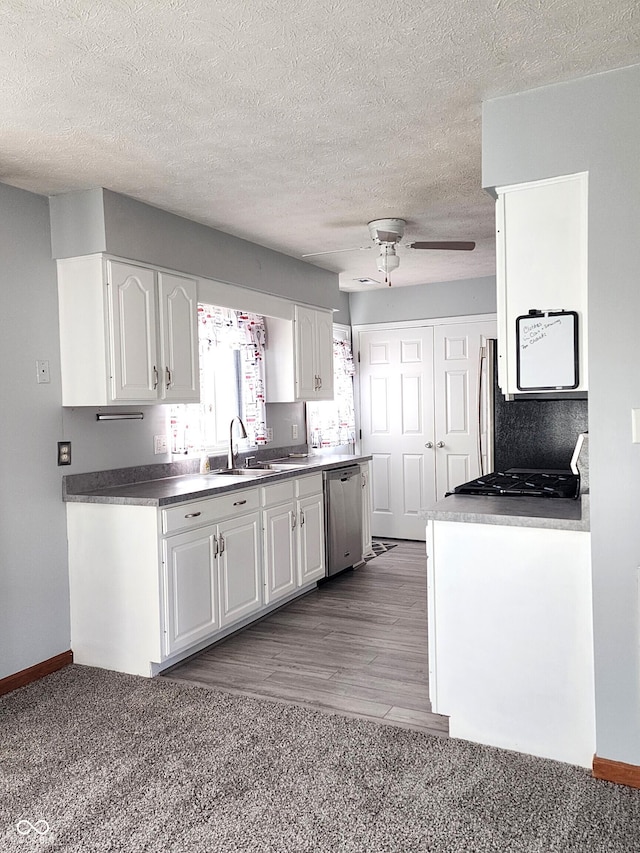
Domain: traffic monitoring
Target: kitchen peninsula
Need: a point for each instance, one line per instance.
(510, 623)
(162, 566)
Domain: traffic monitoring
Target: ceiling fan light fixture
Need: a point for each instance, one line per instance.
(388, 260)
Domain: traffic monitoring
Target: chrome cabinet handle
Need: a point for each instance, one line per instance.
(440, 444)
(301, 518)
(215, 548)
(319, 382)
(429, 445)
(155, 377)
(193, 514)
(293, 521)
(239, 503)
(168, 379)
(220, 544)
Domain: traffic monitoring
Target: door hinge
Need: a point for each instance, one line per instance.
(358, 356)
(360, 434)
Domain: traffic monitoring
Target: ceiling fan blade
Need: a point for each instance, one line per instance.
(458, 247)
(336, 251)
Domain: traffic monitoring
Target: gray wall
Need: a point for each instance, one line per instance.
(34, 591)
(100, 220)
(594, 124)
(426, 301)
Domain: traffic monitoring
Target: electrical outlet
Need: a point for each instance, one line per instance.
(294, 430)
(64, 453)
(160, 444)
(269, 434)
(42, 371)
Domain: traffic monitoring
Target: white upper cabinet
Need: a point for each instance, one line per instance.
(299, 356)
(128, 333)
(178, 303)
(541, 254)
(313, 333)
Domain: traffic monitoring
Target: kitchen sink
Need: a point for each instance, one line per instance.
(241, 472)
(280, 466)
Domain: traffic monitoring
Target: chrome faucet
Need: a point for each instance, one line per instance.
(243, 434)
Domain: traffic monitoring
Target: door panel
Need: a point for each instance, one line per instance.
(419, 386)
(396, 375)
(456, 364)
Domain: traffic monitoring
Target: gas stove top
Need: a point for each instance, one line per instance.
(540, 484)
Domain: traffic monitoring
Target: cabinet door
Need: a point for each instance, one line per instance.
(280, 554)
(239, 567)
(541, 262)
(133, 349)
(191, 589)
(324, 355)
(311, 561)
(179, 338)
(305, 350)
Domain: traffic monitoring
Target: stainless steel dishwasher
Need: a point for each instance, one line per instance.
(343, 517)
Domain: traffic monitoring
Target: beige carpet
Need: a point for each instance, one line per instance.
(96, 761)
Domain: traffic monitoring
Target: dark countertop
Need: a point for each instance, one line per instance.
(549, 513)
(166, 491)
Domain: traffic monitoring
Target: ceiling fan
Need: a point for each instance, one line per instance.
(387, 233)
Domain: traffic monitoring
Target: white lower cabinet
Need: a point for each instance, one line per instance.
(279, 551)
(293, 535)
(148, 586)
(311, 559)
(511, 637)
(239, 568)
(191, 588)
(212, 579)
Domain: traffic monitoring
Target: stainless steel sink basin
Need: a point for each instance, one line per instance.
(281, 466)
(241, 472)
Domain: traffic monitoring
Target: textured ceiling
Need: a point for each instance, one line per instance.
(290, 123)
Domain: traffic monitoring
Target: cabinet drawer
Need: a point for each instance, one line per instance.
(311, 485)
(189, 515)
(278, 493)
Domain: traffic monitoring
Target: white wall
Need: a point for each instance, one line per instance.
(426, 301)
(34, 590)
(593, 125)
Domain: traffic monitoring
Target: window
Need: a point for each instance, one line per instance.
(231, 382)
(331, 423)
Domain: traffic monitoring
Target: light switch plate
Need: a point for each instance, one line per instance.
(294, 430)
(635, 426)
(160, 444)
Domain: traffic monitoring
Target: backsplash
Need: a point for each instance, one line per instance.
(538, 434)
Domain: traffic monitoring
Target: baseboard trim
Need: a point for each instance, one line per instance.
(33, 673)
(616, 771)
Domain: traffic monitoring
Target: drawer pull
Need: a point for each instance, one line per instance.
(239, 503)
(193, 514)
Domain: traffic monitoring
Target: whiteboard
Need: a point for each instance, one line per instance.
(547, 351)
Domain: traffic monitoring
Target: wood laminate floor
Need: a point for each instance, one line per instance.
(357, 645)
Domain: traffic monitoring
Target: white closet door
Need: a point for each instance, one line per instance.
(396, 395)
(456, 361)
